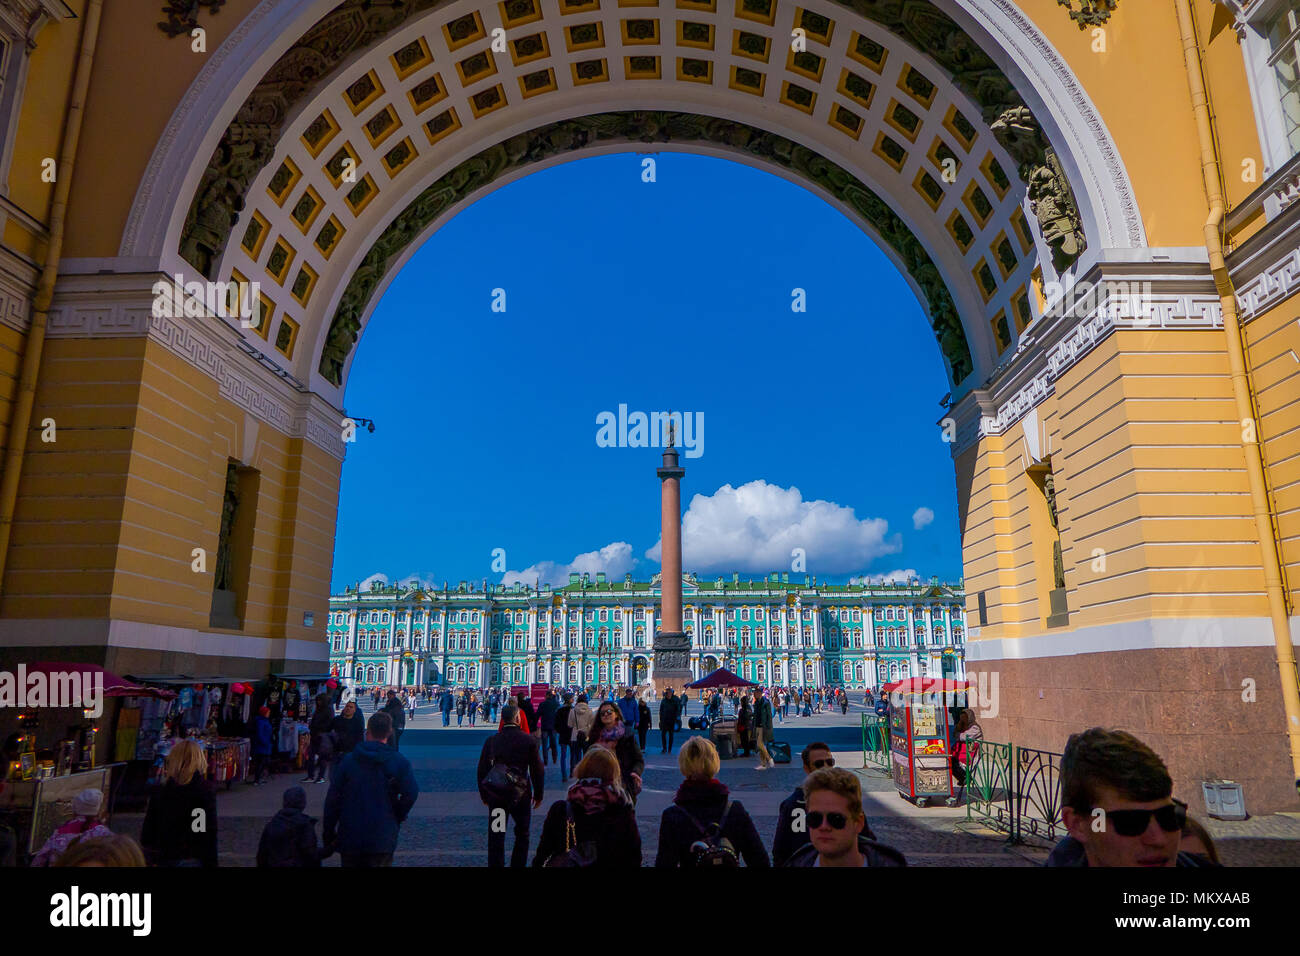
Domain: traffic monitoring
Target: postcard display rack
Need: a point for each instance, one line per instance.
(918, 737)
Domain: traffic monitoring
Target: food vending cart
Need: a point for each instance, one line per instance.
(918, 737)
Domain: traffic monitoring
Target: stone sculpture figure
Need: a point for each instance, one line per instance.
(1050, 197)
(224, 577)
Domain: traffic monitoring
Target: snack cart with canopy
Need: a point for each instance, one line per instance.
(918, 737)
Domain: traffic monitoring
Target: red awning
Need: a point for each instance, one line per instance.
(114, 686)
(722, 678)
(925, 685)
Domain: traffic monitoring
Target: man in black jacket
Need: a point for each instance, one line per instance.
(669, 714)
(517, 752)
(791, 824)
(565, 734)
(546, 712)
(397, 712)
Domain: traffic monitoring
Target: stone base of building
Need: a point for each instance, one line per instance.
(1209, 712)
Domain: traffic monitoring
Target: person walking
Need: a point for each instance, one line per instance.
(595, 824)
(581, 721)
(627, 707)
(169, 836)
(669, 718)
(397, 714)
(321, 748)
(260, 748)
(460, 709)
(529, 721)
(564, 735)
(609, 731)
(745, 725)
(346, 730)
(369, 799)
(289, 838)
(844, 702)
(546, 712)
(702, 812)
(642, 722)
(445, 706)
(509, 759)
(763, 729)
(471, 708)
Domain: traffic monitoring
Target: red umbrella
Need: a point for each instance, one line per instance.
(722, 678)
(114, 686)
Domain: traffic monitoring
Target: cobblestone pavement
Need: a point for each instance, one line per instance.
(448, 825)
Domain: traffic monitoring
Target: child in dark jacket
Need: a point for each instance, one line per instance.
(289, 839)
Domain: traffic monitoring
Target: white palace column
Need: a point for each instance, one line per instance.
(350, 650)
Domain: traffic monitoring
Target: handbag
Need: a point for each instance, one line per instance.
(574, 853)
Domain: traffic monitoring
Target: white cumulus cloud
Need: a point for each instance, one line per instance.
(758, 527)
(921, 517)
(376, 578)
(892, 577)
(614, 559)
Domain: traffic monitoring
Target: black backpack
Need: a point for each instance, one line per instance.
(504, 786)
(574, 853)
(714, 849)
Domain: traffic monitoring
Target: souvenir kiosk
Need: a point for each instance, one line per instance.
(42, 772)
(918, 737)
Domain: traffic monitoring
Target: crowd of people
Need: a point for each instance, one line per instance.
(600, 746)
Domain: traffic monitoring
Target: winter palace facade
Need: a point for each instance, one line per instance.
(598, 631)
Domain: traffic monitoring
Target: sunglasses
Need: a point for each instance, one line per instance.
(838, 821)
(1132, 823)
(828, 762)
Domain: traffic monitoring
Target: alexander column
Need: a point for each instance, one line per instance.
(672, 648)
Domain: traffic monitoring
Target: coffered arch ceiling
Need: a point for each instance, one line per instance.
(429, 111)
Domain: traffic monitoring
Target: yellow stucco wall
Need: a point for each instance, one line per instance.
(135, 64)
(1273, 348)
(1139, 85)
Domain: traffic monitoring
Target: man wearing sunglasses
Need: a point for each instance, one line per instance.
(1117, 805)
(789, 836)
(837, 826)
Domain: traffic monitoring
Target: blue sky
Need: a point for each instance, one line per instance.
(819, 428)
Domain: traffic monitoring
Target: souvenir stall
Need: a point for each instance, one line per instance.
(42, 772)
(215, 711)
(291, 699)
(918, 737)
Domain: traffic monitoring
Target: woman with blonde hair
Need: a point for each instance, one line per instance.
(595, 824)
(703, 820)
(172, 835)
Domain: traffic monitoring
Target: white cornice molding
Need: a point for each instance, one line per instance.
(1177, 302)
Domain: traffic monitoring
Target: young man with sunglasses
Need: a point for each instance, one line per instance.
(837, 825)
(1117, 805)
(789, 836)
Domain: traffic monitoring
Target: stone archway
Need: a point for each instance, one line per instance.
(1053, 400)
